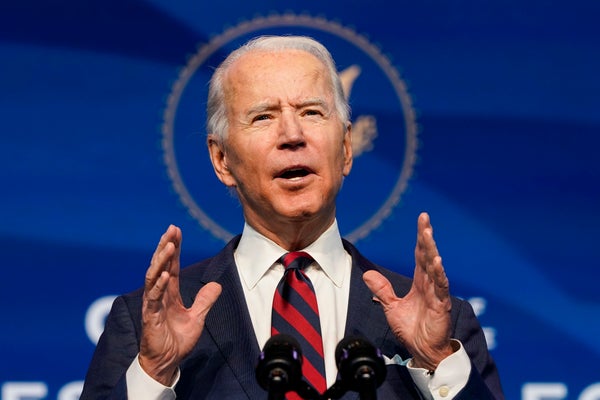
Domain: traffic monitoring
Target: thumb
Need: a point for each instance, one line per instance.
(380, 287)
(205, 298)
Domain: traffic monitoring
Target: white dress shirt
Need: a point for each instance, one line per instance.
(257, 258)
(329, 274)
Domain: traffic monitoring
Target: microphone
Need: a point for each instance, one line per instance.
(279, 368)
(361, 368)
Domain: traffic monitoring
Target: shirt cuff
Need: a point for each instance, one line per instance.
(140, 385)
(449, 378)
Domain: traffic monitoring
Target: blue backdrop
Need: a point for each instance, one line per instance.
(484, 114)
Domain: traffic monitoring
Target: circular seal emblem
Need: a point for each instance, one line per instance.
(384, 130)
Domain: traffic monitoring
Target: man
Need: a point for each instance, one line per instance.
(279, 136)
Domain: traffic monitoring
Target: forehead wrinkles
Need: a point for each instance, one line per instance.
(258, 69)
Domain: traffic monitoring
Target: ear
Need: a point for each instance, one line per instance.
(218, 158)
(347, 149)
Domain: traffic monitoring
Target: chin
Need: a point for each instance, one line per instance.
(306, 213)
(298, 214)
(303, 206)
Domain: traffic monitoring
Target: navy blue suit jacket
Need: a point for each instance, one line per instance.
(221, 366)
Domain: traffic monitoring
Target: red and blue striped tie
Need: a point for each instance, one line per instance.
(295, 312)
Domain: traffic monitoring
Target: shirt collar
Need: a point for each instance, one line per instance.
(256, 254)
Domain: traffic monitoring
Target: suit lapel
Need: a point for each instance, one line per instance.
(229, 324)
(365, 317)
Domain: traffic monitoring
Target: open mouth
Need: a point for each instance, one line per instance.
(294, 173)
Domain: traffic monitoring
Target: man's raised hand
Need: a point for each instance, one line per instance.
(421, 319)
(169, 329)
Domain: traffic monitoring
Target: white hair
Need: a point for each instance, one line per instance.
(216, 118)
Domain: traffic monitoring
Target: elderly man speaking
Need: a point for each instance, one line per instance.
(279, 135)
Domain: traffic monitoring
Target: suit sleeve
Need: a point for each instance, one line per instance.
(484, 374)
(115, 351)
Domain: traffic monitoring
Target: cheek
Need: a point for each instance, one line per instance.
(246, 170)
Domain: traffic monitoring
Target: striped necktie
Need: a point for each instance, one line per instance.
(295, 313)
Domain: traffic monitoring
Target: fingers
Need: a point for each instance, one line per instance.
(164, 264)
(426, 249)
(380, 287)
(439, 278)
(428, 259)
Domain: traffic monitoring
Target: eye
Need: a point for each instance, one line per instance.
(312, 112)
(261, 117)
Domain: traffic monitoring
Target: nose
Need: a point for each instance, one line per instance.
(291, 134)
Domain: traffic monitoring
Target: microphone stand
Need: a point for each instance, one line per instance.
(278, 385)
(367, 383)
(307, 392)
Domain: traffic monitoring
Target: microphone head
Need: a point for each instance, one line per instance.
(280, 364)
(359, 363)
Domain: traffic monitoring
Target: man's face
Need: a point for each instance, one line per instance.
(287, 151)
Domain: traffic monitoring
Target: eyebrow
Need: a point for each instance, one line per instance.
(262, 107)
(267, 106)
(317, 101)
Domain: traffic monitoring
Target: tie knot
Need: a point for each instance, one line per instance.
(296, 260)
